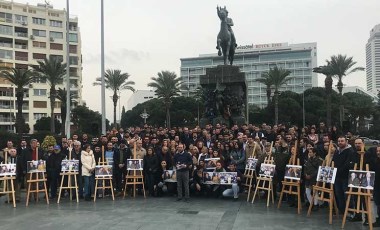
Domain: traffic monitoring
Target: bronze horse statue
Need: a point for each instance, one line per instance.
(226, 41)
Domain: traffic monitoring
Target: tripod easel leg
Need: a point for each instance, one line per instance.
(346, 210)
(281, 195)
(13, 193)
(76, 187)
(60, 189)
(299, 198)
(311, 203)
(96, 189)
(113, 197)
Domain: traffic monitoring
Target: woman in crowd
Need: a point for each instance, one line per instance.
(310, 173)
(151, 169)
(88, 168)
(313, 137)
(237, 156)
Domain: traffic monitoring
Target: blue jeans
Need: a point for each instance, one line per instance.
(232, 192)
(340, 188)
(88, 185)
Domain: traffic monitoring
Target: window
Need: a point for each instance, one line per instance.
(32, 11)
(39, 80)
(6, 30)
(73, 37)
(6, 17)
(73, 49)
(59, 57)
(37, 116)
(6, 104)
(8, 54)
(39, 44)
(40, 104)
(6, 92)
(21, 19)
(39, 33)
(57, 35)
(39, 21)
(55, 46)
(39, 92)
(8, 7)
(53, 14)
(57, 104)
(73, 60)
(38, 56)
(55, 23)
(21, 66)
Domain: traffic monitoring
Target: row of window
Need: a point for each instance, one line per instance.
(7, 17)
(23, 56)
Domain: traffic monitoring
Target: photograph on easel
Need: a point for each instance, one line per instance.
(361, 179)
(326, 174)
(267, 170)
(36, 166)
(103, 171)
(211, 178)
(211, 162)
(251, 164)
(293, 172)
(70, 166)
(7, 169)
(135, 164)
(170, 176)
(228, 178)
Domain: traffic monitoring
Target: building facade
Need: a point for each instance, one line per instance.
(373, 60)
(140, 96)
(300, 59)
(29, 34)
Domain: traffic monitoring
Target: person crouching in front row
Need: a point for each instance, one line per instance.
(234, 191)
(88, 168)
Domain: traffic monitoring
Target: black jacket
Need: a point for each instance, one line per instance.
(342, 161)
(151, 164)
(53, 163)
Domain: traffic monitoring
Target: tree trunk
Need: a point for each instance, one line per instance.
(268, 95)
(114, 99)
(341, 107)
(361, 124)
(328, 88)
(276, 107)
(63, 117)
(19, 117)
(52, 101)
(167, 116)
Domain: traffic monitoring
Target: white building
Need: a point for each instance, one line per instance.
(29, 34)
(373, 60)
(300, 59)
(140, 96)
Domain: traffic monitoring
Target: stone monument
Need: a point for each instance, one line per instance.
(224, 87)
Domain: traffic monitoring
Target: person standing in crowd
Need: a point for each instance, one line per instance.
(281, 159)
(310, 175)
(375, 166)
(151, 168)
(111, 156)
(76, 155)
(53, 168)
(140, 151)
(14, 158)
(183, 161)
(88, 168)
(342, 162)
(237, 156)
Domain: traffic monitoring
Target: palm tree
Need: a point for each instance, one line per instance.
(278, 77)
(328, 72)
(342, 66)
(267, 81)
(115, 80)
(53, 70)
(167, 85)
(20, 78)
(62, 96)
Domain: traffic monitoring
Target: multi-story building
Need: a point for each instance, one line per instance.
(373, 60)
(29, 34)
(300, 59)
(140, 96)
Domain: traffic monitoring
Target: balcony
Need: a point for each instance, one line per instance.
(5, 44)
(21, 58)
(7, 20)
(20, 46)
(21, 34)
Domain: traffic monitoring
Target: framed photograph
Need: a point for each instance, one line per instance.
(326, 174)
(211, 178)
(361, 179)
(103, 171)
(251, 164)
(36, 166)
(7, 169)
(267, 170)
(228, 178)
(211, 162)
(293, 172)
(135, 164)
(70, 166)
(170, 176)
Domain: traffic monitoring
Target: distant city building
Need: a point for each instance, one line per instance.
(360, 90)
(140, 96)
(29, 34)
(300, 59)
(373, 60)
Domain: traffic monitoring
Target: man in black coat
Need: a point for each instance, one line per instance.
(53, 168)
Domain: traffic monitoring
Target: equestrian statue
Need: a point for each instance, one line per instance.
(226, 42)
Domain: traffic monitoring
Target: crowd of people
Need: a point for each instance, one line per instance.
(187, 152)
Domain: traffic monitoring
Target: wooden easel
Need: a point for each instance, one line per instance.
(366, 195)
(261, 182)
(10, 180)
(69, 175)
(133, 178)
(288, 184)
(35, 181)
(104, 179)
(250, 174)
(321, 188)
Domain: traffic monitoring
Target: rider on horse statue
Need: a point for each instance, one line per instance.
(226, 41)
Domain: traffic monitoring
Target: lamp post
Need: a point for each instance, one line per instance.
(68, 108)
(144, 115)
(103, 85)
(303, 104)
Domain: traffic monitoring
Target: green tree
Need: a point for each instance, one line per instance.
(359, 106)
(115, 80)
(20, 78)
(53, 70)
(267, 81)
(328, 72)
(167, 86)
(278, 77)
(86, 120)
(43, 124)
(341, 66)
(62, 96)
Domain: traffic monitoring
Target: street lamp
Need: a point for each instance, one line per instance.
(103, 85)
(303, 103)
(68, 108)
(144, 115)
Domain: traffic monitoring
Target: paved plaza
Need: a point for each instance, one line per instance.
(161, 213)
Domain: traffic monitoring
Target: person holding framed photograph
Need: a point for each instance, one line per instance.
(236, 187)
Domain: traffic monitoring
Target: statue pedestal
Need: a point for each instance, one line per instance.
(226, 90)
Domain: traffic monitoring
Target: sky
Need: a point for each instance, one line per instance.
(144, 37)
